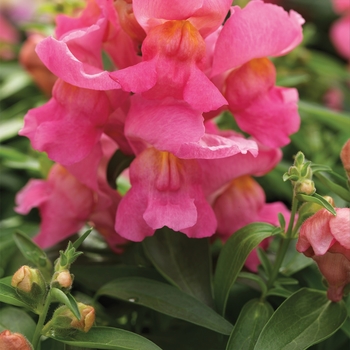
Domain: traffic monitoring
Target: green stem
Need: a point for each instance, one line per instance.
(282, 250)
(41, 321)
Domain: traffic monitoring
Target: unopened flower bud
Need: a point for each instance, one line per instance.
(13, 341)
(305, 186)
(62, 280)
(30, 284)
(63, 321)
(345, 158)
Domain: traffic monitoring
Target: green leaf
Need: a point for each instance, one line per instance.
(250, 323)
(8, 295)
(95, 276)
(66, 299)
(316, 198)
(16, 320)
(339, 190)
(184, 262)
(336, 120)
(166, 299)
(81, 239)
(108, 338)
(233, 256)
(279, 292)
(33, 253)
(305, 318)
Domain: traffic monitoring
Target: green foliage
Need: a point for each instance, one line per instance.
(232, 258)
(305, 318)
(165, 299)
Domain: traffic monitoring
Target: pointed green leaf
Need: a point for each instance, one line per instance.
(250, 323)
(316, 198)
(337, 120)
(66, 299)
(184, 262)
(339, 190)
(166, 299)
(305, 318)
(8, 295)
(108, 338)
(33, 253)
(81, 239)
(233, 256)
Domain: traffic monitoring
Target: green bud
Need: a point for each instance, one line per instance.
(305, 186)
(30, 285)
(299, 159)
(63, 321)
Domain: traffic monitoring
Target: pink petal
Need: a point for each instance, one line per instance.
(219, 172)
(215, 146)
(150, 13)
(256, 31)
(315, 232)
(32, 195)
(52, 128)
(340, 226)
(60, 61)
(275, 113)
(164, 124)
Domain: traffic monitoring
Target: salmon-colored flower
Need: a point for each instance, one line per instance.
(326, 239)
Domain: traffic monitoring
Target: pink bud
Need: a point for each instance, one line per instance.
(13, 341)
(345, 158)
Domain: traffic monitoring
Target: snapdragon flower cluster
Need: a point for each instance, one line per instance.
(176, 66)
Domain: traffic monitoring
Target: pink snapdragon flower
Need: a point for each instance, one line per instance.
(75, 55)
(243, 202)
(52, 128)
(259, 107)
(173, 52)
(326, 239)
(166, 191)
(65, 205)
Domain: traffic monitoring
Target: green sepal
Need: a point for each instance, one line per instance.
(8, 295)
(316, 198)
(66, 299)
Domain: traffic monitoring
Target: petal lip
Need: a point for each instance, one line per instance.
(60, 61)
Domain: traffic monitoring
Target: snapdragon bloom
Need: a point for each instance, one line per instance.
(326, 239)
(65, 205)
(248, 37)
(173, 52)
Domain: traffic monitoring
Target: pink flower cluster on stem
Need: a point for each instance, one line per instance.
(175, 66)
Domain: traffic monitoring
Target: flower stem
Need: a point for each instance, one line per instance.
(41, 321)
(284, 244)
